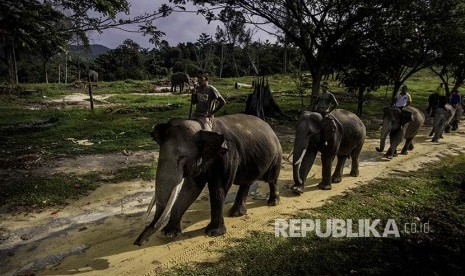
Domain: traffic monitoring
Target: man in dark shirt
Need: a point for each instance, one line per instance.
(325, 102)
(208, 101)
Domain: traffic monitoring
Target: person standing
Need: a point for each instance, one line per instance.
(455, 99)
(440, 90)
(403, 98)
(325, 102)
(208, 101)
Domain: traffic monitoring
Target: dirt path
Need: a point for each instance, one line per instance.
(95, 234)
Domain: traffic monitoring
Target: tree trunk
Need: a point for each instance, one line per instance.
(234, 61)
(222, 60)
(285, 54)
(360, 100)
(59, 72)
(316, 79)
(15, 65)
(66, 67)
(46, 72)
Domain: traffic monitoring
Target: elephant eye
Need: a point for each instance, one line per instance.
(181, 159)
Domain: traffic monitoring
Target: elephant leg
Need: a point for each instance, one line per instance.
(239, 209)
(389, 153)
(406, 146)
(273, 200)
(218, 189)
(337, 175)
(187, 196)
(447, 129)
(355, 163)
(432, 132)
(303, 170)
(411, 146)
(272, 178)
(326, 162)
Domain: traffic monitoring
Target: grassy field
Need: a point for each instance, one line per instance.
(33, 126)
(428, 207)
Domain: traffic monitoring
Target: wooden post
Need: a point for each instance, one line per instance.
(90, 94)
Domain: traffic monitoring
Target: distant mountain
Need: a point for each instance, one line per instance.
(94, 51)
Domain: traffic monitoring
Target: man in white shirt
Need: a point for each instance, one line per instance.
(403, 98)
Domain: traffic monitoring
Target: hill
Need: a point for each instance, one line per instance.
(94, 51)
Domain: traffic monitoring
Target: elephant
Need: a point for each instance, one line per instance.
(340, 133)
(93, 76)
(441, 121)
(179, 78)
(400, 124)
(240, 149)
(458, 115)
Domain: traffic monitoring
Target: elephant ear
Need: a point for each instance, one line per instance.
(159, 133)
(211, 145)
(406, 117)
(313, 122)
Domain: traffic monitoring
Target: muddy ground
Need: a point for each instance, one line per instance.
(94, 235)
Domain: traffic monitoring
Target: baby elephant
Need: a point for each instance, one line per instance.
(178, 79)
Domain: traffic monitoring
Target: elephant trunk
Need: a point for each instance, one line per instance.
(167, 188)
(162, 214)
(300, 149)
(384, 133)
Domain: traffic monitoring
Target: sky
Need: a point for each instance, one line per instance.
(178, 27)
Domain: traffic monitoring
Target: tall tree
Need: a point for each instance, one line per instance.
(315, 26)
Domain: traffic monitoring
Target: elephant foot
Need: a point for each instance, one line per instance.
(297, 189)
(354, 173)
(404, 152)
(322, 186)
(238, 211)
(336, 179)
(273, 201)
(431, 134)
(214, 231)
(379, 149)
(171, 230)
(395, 154)
(388, 156)
(411, 146)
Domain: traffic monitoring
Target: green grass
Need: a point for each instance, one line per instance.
(434, 196)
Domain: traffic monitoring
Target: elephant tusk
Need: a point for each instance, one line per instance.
(301, 157)
(166, 213)
(149, 208)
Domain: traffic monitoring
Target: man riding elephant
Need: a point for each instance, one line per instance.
(208, 101)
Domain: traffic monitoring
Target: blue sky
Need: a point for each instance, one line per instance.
(178, 27)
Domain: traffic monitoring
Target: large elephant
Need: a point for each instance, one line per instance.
(441, 121)
(178, 79)
(400, 124)
(340, 133)
(240, 149)
(93, 76)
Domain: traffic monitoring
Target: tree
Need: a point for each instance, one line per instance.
(125, 62)
(315, 27)
(449, 64)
